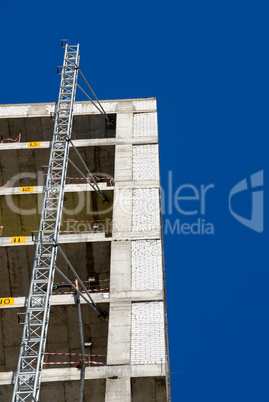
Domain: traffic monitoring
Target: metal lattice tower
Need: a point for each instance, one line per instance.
(32, 349)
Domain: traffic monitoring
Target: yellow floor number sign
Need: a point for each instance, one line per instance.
(18, 239)
(7, 301)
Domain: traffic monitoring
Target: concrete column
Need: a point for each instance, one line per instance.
(122, 213)
(124, 125)
(124, 153)
(120, 267)
(123, 163)
(118, 390)
(119, 333)
(119, 351)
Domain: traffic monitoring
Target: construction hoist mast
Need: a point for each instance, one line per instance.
(35, 327)
(31, 356)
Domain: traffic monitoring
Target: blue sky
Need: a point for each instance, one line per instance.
(209, 61)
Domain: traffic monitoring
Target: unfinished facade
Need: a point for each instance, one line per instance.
(116, 249)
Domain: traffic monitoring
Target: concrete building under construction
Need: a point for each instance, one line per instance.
(81, 227)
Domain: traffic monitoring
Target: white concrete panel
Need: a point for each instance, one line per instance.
(111, 107)
(80, 108)
(87, 108)
(146, 209)
(145, 125)
(149, 104)
(45, 109)
(147, 265)
(145, 162)
(13, 111)
(148, 334)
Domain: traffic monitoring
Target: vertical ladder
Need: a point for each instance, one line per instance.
(30, 363)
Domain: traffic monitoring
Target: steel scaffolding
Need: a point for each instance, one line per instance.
(30, 363)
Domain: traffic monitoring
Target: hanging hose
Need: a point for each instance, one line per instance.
(82, 360)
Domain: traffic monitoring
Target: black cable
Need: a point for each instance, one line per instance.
(109, 121)
(81, 337)
(82, 90)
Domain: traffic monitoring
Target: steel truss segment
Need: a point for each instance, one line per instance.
(31, 356)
